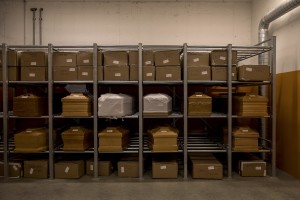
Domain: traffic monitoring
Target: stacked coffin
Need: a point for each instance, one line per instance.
(245, 139)
(199, 105)
(77, 139)
(76, 104)
(29, 105)
(115, 105)
(32, 140)
(163, 139)
(250, 105)
(113, 139)
(157, 104)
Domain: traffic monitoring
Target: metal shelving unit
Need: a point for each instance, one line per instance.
(138, 143)
(200, 144)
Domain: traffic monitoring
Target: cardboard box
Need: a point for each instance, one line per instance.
(255, 168)
(65, 73)
(85, 58)
(254, 73)
(115, 58)
(36, 168)
(220, 73)
(116, 73)
(104, 167)
(197, 59)
(148, 73)
(13, 73)
(199, 73)
(219, 58)
(13, 58)
(206, 168)
(64, 59)
(168, 73)
(15, 169)
(34, 58)
(167, 58)
(148, 58)
(167, 168)
(34, 73)
(85, 73)
(69, 169)
(128, 167)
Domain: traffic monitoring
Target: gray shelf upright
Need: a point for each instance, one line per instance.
(141, 121)
(5, 108)
(185, 114)
(273, 104)
(95, 107)
(50, 111)
(229, 112)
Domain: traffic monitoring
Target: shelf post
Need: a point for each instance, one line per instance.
(141, 128)
(5, 108)
(229, 113)
(185, 113)
(95, 106)
(50, 111)
(273, 104)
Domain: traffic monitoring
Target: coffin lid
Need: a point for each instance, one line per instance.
(244, 132)
(164, 131)
(113, 131)
(76, 130)
(251, 97)
(76, 97)
(199, 95)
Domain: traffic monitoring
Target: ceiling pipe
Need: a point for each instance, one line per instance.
(263, 28)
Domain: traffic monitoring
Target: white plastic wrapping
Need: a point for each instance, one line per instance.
(115, 105)
(157, 103)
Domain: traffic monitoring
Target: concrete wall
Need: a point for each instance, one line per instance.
(286, 29)
(129, 22)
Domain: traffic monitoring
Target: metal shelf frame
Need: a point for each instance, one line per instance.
(138, 145)
(243, 52)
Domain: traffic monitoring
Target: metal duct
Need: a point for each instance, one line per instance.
(263, 33)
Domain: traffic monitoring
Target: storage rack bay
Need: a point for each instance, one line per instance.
(187, 143)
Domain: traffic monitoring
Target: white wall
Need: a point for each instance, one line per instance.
(287, 31)
(130, 22)
(12, 22)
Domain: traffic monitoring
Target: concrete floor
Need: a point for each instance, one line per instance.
(282, 187)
